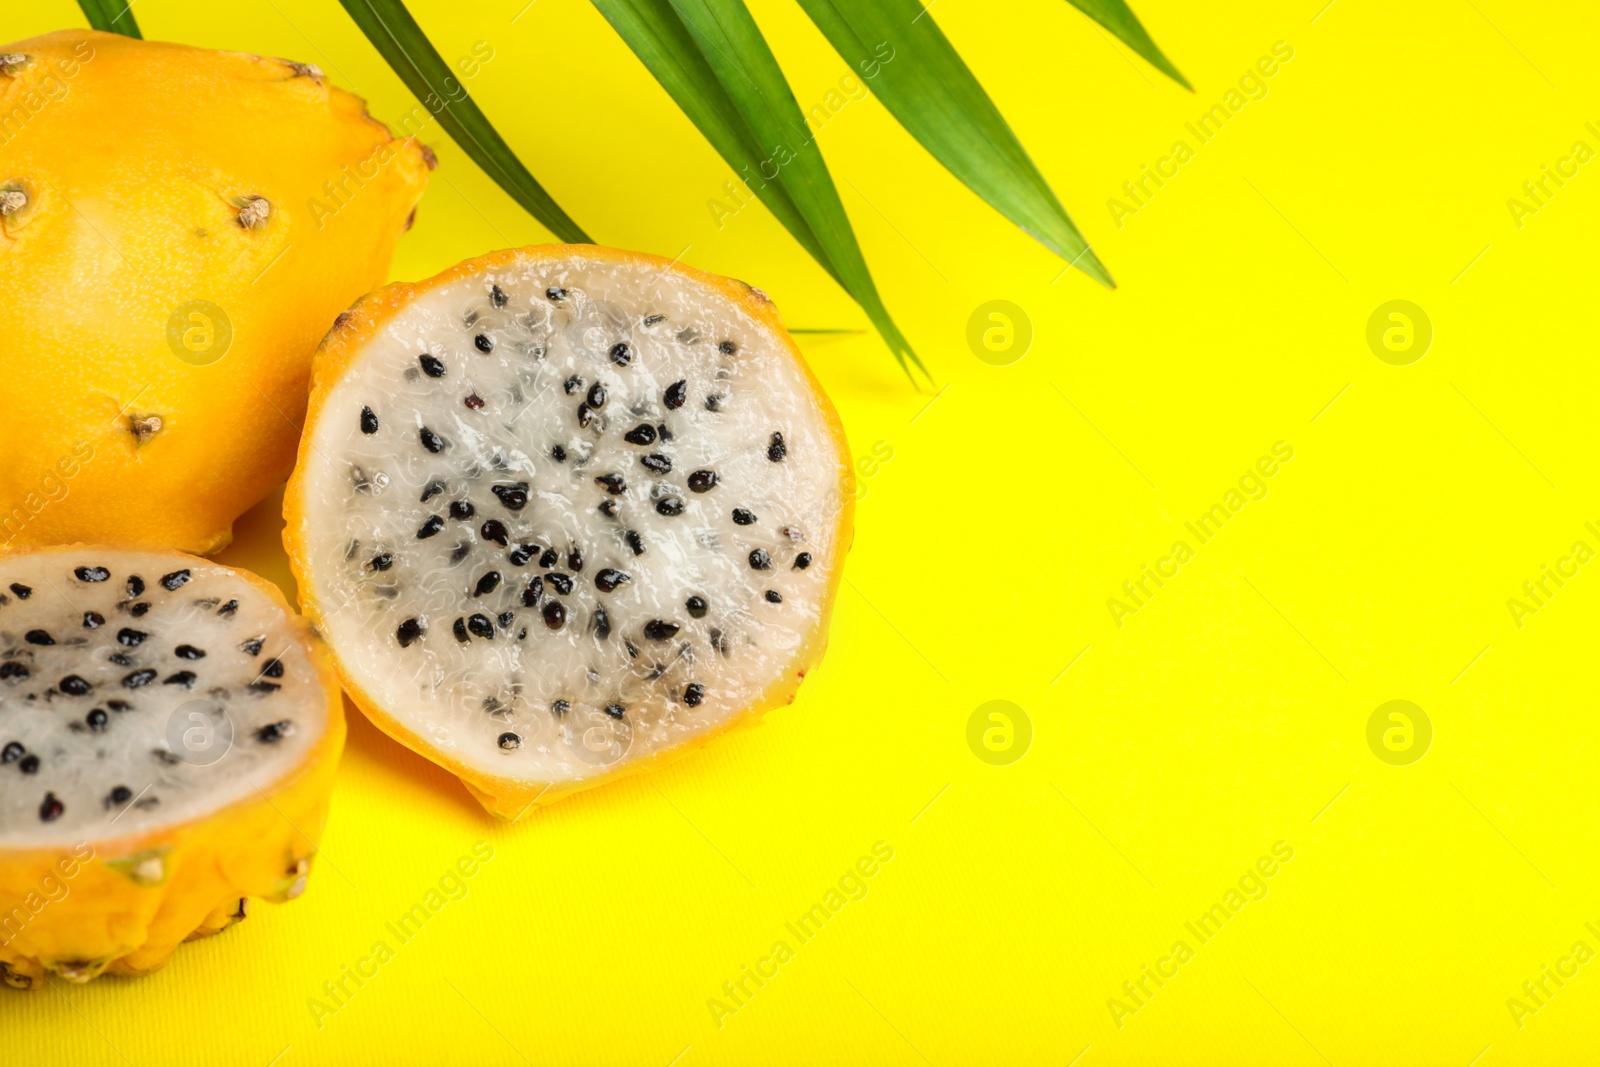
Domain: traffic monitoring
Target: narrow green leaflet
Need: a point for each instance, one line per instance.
(390, 27)
(112, 16)
(712, 59)
(897, 49)
(1116, 16)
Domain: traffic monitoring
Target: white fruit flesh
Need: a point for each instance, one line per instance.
(140, 691)
(542, 694)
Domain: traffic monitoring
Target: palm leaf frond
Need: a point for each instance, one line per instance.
(110, 16)
(1115, 16)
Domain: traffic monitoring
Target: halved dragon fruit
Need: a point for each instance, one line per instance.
(168, 737)
(562, 510)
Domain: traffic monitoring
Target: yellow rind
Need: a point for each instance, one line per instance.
(505, 797)
(82, 915)
(136, 157)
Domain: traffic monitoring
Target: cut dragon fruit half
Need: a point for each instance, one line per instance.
(562, 510)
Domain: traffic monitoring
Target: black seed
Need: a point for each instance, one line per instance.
(189, 652)
(480, 626)
(601, 623)
(560, 707)
(802, 561)
(432, 366)
(635, 542)
(13, 670)
(229, 608)
(719, 640)
(122, 659)
(741, 517)
(263, 687)
(460, 552)
(74, 686)
(608, 579)
(616, 711)
(613, 483)
(172, 581)
(669, 506)
(520, 555)
(23, 591)
(272, 733)
(487, 584)
(459, 628)
(497, 296)
(676, 394)
(572, 384)
(633, 649)
(484, 342)
(642, 434)
(433, 489)
(535, 590)
(574, 558)
(555, 294)
(597, 396)
(93, 620)
(558, 454)
(135, 585)
(509, 741)
(777, 450)
(408, 632)
(759, 560)
(474, 401)
(696, 606)
(252, 646)
(555, 614)
(656, 463)
(29, 765)
(774, 597)
(381, 562)
(12, 752)
(693, 694)
(651, 320)
(621, 354)
(584, 414)
(702, 481)
(120, 795)
(369, 422)
(430, 440)
(562, 582)
(550, 558)
(434, 524)
(273, 668)
(657, 630)
(714, 403)
(51, 809)
(119, 705)
(97, 719)
(495, 530)
(138, 610)
(727, 348)
(183, 678)
(608, 508)
(461, 509)
(92, 574)
(38, 637)
(514, 497)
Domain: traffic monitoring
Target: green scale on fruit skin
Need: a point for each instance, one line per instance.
(575, 447)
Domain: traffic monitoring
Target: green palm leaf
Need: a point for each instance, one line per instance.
(712, 59)
(392, 30)
(1115, 16)
(900, 52)
(111, 16)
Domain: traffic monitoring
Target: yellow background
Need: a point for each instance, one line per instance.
(1227, 714)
